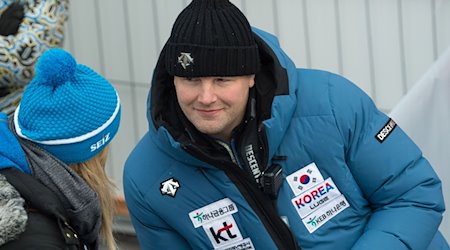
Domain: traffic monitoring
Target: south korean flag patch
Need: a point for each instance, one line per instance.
(304, 178)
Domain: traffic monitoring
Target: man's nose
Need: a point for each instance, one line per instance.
(207, 93)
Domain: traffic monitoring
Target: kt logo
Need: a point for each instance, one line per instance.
(218, 235)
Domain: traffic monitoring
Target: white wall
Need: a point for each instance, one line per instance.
(424, 113)
(384, 46)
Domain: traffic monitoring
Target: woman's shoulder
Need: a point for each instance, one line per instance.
(42, 226)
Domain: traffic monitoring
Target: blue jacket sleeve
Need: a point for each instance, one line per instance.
(152, 232)
(403, 191)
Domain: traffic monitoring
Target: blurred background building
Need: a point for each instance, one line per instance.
(384, 46)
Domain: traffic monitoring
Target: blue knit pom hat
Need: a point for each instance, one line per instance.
(68, 109)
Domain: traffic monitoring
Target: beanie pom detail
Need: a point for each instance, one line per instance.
(55, 67)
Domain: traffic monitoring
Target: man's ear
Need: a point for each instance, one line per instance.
(252, 81)
(11, 19)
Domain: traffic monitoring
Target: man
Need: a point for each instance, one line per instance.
(245, 151)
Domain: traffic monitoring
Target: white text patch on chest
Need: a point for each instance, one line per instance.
(318, 218)
(223, 232)
(315, 197)
(245, 244)
(212, 212)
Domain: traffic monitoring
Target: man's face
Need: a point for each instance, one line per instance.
(214, 105)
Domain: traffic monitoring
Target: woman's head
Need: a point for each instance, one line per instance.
(73, 113)
(68, 109)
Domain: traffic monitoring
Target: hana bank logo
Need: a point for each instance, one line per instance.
(312, 221)
(198, 217)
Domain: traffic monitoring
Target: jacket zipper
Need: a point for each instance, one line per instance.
(262, 205)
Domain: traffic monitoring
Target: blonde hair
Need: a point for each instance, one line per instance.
(93, 172)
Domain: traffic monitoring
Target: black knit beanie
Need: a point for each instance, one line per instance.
(211, 38)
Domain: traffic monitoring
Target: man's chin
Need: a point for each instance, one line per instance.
(211, 131)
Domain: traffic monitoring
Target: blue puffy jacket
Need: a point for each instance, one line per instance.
(352, 179)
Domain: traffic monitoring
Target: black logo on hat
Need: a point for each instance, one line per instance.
(185, 59)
